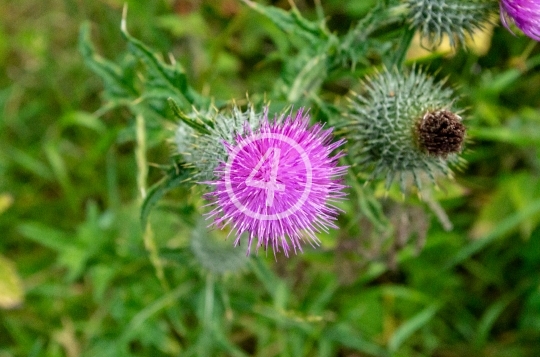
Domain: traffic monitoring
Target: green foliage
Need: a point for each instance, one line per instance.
(96, 283)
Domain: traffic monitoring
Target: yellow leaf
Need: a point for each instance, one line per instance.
(6, 200)
(11, 290)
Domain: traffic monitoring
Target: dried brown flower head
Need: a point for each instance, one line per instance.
(441, 133)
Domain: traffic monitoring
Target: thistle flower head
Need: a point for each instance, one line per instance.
(454, 18)
(524, 13)
(204, 151)
(278, 183)
(403, 126)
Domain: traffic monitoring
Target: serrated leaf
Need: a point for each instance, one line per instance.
(11, 289)
(175, 178)
(163, 80)
(116, 84)
(355, 46)
(292, 22)
(310, 78)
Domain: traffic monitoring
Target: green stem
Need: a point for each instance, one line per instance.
(399, 58)
(142, 169)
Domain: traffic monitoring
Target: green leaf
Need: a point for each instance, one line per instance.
(197, 125)
(355, 46)
(83, 119)
(11, 289)
(162, 80)
(309, 79)
(502, 229)
(176, 177)
(346, 336)
(46, 236)
(101, 276)
(169, 299)
(292, 23)
(411, 326)
(519, 137)
(26, 160)
(60, 171)
(490, 316)
(117, 85)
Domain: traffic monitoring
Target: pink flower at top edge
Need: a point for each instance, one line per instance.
(524, 13)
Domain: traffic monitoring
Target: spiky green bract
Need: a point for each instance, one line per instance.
(382, 125)
(454, 18)
(204, 151)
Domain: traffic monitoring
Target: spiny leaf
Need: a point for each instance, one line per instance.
(309, 79)
(117, 85)
(354, 47)
(292, 23)
(163, 80)
(175, 178)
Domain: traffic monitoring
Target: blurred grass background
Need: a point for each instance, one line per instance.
(75, 276)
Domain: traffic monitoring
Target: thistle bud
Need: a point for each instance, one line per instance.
(454, 18)
(403, 126)
(205, 151)
(213, 251)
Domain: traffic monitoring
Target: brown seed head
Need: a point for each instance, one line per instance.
(441, 133)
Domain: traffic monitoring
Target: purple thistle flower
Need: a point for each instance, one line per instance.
(524, 13)
(279, 183)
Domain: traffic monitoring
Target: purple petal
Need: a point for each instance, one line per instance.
(524, 13)
(279, 184)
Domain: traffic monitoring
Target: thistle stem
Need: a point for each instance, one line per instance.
(399, 58)
(142, 170)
